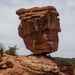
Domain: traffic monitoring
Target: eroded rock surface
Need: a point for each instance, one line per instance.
(32, 65)
(39, 28)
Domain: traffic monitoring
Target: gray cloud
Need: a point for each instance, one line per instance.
(9, 23)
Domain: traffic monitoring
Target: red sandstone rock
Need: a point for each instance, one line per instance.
(40, 35)
(39, 29)
(33, 65)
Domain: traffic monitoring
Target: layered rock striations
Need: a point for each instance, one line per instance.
(39, 27)
(33, 65)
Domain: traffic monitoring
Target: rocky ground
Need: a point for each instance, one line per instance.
(33, 65)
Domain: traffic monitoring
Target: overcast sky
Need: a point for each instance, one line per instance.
(9, 23)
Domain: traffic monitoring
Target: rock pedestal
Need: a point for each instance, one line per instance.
(33, 65)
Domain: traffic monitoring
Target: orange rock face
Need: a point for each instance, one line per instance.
(32, 65)
(39, 29)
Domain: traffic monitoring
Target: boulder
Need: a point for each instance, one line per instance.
(39, 27)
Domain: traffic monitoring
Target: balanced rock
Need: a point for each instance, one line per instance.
(39, 28)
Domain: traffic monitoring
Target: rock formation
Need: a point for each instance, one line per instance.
(39, 29)
(33, 65)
